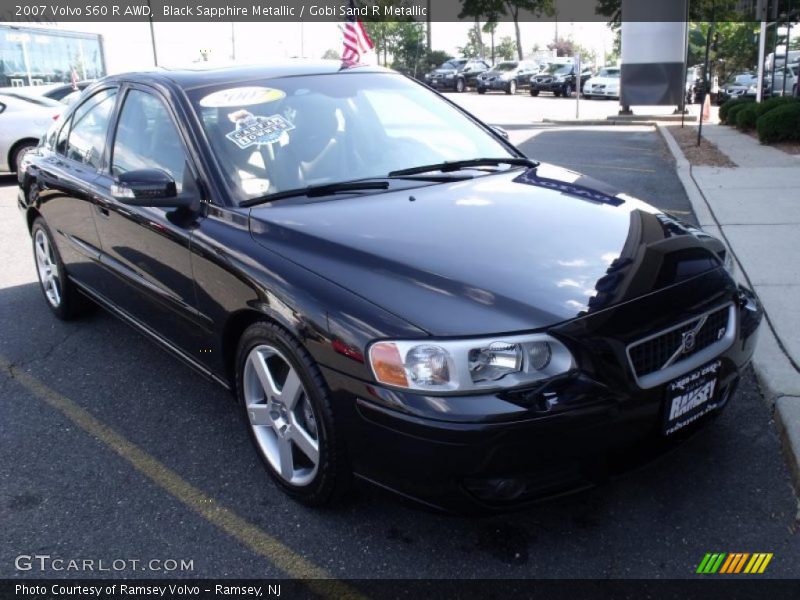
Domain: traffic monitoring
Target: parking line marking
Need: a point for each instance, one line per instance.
(280, 555)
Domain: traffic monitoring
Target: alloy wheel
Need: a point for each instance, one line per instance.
(460, 85)
(283, 419)
(47, 268)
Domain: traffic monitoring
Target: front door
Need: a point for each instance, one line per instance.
(147, 250)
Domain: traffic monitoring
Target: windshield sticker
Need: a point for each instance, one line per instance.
(242, 96)
(255, 131)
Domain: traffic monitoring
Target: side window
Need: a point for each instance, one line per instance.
(147, 138)
(87, 131)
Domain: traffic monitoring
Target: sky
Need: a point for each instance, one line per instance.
(128, 46)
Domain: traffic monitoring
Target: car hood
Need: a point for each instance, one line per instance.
(514, 251)
(609, 81)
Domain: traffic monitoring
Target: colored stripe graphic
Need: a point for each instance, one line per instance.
(702, 566)
(741, 562)
(711, 563)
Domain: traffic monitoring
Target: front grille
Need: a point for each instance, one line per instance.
(675, 350)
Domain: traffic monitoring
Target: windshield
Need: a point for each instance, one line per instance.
(559, 69)
(609, 73)
(506, 66)
(287, 133)
(450, 65)
(741, 79)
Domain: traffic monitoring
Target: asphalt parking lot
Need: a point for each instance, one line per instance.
(111, 449)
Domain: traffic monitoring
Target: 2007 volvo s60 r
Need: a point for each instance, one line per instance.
(392, 291)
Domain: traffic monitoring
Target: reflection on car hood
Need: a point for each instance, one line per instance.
(507, 252)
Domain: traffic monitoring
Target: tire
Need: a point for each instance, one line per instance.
(568, 91)
(512, 88)
(62, 296)
(19, 151)
(557, 94)
(534, 93)
(481, 91)
(461, 85)
(296, 437)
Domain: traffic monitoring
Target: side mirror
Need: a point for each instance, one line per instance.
(148, 187)
(499, 131)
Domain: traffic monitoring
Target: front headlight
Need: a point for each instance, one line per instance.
(449, 75)
(560, 78)
(729, 262)
(448, 366)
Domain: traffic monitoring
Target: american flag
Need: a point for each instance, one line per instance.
(356, 39)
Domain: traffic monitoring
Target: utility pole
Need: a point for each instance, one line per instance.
(429, 26)
(152, 34)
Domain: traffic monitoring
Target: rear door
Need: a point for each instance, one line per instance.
(66, 184)
(147, 250)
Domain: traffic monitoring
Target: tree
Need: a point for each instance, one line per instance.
(474, 47)
(331, 54)
(563, 47)
(492, 10)
(507, 48)
(735, 48)
(490, 27)
(537, 7)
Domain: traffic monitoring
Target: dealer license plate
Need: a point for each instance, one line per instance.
(691, 396)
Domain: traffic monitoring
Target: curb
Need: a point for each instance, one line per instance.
(769, 362)
(584, 122)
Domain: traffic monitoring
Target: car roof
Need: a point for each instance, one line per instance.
(202, 74)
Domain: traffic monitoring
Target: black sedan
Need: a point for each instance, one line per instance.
(392, 292)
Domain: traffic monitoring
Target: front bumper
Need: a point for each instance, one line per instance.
(443, 84)
(604, 92)
(551, 86)
(492, 452)
(493, 84)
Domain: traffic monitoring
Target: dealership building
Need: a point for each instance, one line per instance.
(36, 56)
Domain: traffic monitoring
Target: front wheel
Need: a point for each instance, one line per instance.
(461, 85)
(61, 294)
(289, 415)
(481, 91)
(568, 91)
(512, 88)
(534, 92)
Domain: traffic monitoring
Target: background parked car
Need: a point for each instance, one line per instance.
(508, 76)
(561, 80)
(741, 85)
(60, 92)
(457, 74)
(603, 85)
(23, 120)
(774, 86)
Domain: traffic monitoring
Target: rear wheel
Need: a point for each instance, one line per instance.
(289, 415)
(557, 94)
(568, 91)
(512, 88)
(461, 85)
(20, 150)
(61, 294)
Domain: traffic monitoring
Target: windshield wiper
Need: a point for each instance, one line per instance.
(457, 165)
(314, 191)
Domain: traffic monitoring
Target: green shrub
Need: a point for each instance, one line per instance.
(734, 110)
(768, 105)
(746, 117)
(724, 110)
(780, 124)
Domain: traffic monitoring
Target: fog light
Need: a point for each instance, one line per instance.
(540, 354)
(494, 361)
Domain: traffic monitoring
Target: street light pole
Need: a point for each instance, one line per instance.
(706, 78)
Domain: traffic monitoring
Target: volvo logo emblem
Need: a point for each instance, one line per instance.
(689, 339)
